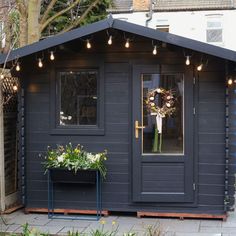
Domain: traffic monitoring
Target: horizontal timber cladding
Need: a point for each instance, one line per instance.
(211, 138)
(209, 153)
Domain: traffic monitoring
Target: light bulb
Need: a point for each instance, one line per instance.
(110, 40)
(154, 52)
(17, 66)
(88, 45)
(40, 64)
(187, 62)
(2, 76)
(52, 57)
(127, 43)
(199, 68)
(230, 81)
(15, 88)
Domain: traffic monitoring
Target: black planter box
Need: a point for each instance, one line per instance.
(59, 175)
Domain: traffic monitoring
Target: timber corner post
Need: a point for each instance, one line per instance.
(2, 168)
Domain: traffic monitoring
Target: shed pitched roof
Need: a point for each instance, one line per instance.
(123, 26)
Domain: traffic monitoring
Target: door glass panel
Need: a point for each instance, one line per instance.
(162, 113)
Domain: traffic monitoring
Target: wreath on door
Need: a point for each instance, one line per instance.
(160, 103)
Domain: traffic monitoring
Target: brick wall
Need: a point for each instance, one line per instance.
(141, 5)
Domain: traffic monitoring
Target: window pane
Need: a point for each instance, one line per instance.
(163, 114)
(214, 24)
(78, 98)
(214, 36)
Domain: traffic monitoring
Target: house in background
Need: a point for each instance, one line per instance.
(208, 21)
(176, 161)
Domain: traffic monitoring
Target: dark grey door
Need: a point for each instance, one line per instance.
(162, 133)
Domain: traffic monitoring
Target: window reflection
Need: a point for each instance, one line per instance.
(163, 113)
(78, 98)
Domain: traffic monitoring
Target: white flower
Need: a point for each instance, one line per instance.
(97, 156)
(90, 156)
(60, 158)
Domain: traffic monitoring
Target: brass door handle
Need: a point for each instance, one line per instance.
(137, 127)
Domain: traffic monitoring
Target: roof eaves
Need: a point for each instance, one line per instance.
(176, 40)
(57, 40)
(123, 26)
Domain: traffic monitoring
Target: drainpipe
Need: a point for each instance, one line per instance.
(149, 14)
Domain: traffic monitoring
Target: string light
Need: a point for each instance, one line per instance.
(110, 40)
(154, 52)
(88, 45)
(127, 43)
(187, 62)
(18, 66)
(40, 63)
(52, 57)
(230, 81)
(199, 68)
(15, 88)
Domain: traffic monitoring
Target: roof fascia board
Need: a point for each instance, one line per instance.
(56, 40)
(175, 40)
(123, 26)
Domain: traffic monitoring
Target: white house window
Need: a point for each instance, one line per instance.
(214, 30)
(163, 28)
(162, 25)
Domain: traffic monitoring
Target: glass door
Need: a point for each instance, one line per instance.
(162, 136)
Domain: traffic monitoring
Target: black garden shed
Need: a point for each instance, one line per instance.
(177, 160)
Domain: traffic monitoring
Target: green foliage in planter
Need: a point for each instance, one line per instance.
(74, 159)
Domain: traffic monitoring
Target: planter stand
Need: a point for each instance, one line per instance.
(89, 177)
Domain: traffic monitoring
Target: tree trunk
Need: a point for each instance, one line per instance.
(7, 45)
(33, 20)
(22, 8)
(2, 161)
(23, 31)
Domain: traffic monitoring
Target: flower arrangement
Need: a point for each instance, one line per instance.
(160, 103)
(75, 159)
(167, 100)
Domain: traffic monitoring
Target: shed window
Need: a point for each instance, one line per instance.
(78, 98)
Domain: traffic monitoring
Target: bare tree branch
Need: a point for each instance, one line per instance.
(49, 20)
(45, 14)
(81, 18)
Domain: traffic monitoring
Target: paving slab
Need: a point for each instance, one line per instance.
(211, 223)
(68, 223)
(169, 226)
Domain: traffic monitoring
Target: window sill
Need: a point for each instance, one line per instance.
(86, 131)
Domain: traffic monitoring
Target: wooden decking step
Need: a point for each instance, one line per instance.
(65, 211)
(181, 215)
(12, 209)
